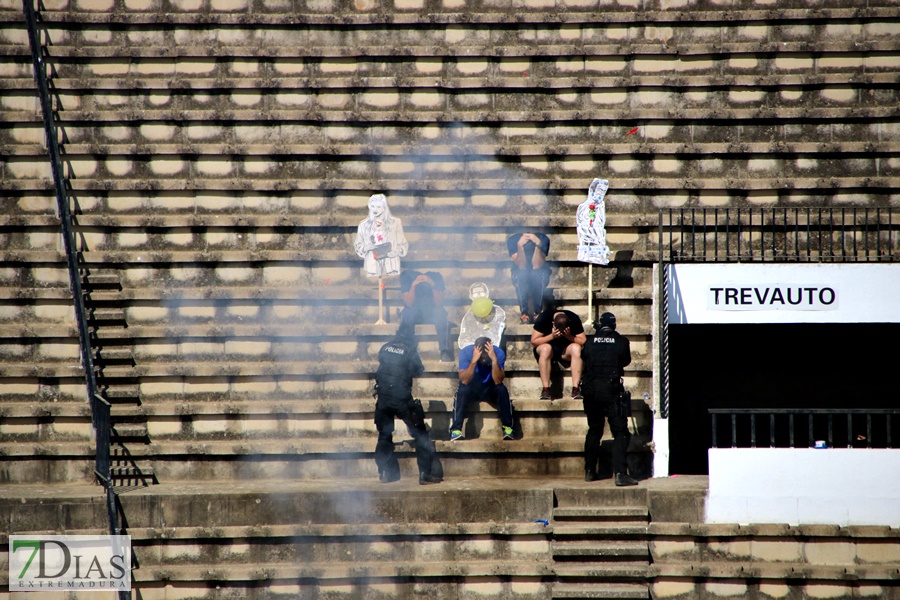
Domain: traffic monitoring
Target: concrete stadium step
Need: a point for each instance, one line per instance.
(601, 513)
(482, 15)
(502, 292)
(600, 544)
(207, 460)
(618, 571)
(315, 575)
(281, 215)
(601, 591)
(167, 374)
(617, 550)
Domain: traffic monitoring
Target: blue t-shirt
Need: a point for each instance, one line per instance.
(482, 372)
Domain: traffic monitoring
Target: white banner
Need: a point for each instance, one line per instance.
(783, 293)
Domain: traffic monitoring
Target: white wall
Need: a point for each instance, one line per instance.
(804, 485)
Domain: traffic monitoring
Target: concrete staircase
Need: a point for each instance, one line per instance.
(600, 543)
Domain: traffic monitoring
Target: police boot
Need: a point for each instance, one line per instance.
(623, 479)
(428, 479)
(591, 475)
(387, 477)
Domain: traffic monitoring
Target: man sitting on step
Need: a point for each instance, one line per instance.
(423, 294)
(398, 364)
(481, 377)
(557, 337)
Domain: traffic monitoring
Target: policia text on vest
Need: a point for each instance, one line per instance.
(772, 297)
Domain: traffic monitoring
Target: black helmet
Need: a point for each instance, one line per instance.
(406, 334)
(607, 319)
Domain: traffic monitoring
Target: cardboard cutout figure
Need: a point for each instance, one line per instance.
(483, 319)
(590, 220)
(379, 239)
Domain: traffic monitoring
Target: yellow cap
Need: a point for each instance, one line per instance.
(481, 307)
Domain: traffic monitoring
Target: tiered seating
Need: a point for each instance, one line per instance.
(220, 155)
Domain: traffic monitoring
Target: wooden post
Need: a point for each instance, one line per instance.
(380, 320)
(590, 292)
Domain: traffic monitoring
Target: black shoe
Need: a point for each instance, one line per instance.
(428, 479)
(545, 394)
(385, 477)
(446, 356)
(623, 479)
(591, 475)
(576, 394)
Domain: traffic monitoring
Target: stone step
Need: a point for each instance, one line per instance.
(327, 408)
(503, 294)
(317, 574)
(313, 446)
(348, 553)
(363, 295)
(552, 110)
(177, 139)
(730, 530)
(631, 185)
(714, 570)
(267, 368)
(613, 529)
(586, 500)
(475, 15)
(130, 476)
(598, 513)
(336, 531)
(149, 256)
(618, 550)
(331, 58)
(191, 425)
(617, 571)
(601, 591)
(246, 218)
(209, 460)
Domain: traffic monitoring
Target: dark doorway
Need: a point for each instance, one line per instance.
(771, 366)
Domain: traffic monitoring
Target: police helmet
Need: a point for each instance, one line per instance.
(406, 334)
(607, 319)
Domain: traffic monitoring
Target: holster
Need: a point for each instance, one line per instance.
(418, 414)
(623, 403)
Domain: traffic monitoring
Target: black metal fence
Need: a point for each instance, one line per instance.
(802, 428)
(779, 234)
(100, 407)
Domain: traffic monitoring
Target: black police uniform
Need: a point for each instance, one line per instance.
(605, 356)
(398, 364)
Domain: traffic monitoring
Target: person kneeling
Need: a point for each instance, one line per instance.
(481, 377)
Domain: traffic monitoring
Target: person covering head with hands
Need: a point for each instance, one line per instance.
(558, 336)
(530, 271)
(481, 377)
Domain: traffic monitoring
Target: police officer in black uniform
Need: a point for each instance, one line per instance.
(605, 356)
(398, 364)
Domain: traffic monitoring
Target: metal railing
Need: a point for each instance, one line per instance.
(802, 428)
(100, 407)
(779, 235)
